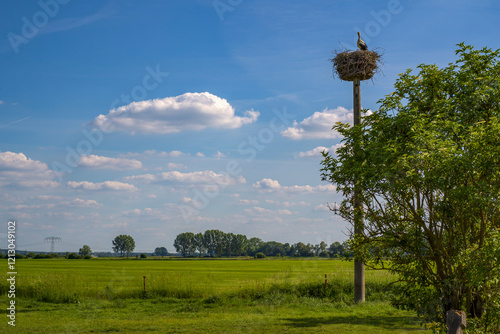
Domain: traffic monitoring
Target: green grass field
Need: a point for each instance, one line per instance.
(199, 296)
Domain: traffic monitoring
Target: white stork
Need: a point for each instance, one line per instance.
(361, 44)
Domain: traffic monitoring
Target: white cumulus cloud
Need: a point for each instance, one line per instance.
(321, 207)
(319, 125)
(154, 153)
(219, 155)
(198, 177)
(316, 152)
(259, 211)
(269, 185)
(107, 185)
(100, 162)
(189, 111)
(173, 165)
(16, 169)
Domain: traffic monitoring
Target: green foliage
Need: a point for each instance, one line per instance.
(73, 256)
(161, 251)
(260, 255)
(85, 250)
(428, 164)
(42, 256)
(143, 256)
(217, 243)
(124, 244)
(183, 244)
(198, 243)
(336, 249)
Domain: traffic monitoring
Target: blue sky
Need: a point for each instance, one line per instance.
(160, 117)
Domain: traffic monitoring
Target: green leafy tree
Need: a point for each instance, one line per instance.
(213, 241)
(336, 249)
(199, 244)
(320, 248)
(85, 250)
(272, 248)
(184, 244)
(161, 251)
(428, 164)
(239, 244)
(254, 246)
(304, 250)
(73, 256)
(228, 240)
(124, 244)
(209, 242)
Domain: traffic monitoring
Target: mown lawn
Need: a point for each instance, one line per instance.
(199, 296)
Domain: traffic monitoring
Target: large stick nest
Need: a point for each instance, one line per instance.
(350, 65)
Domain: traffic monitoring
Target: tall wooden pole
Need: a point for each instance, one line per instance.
(359, 267)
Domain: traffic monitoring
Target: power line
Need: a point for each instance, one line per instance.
(52, 241)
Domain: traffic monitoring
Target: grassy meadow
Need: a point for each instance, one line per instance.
(199, 296)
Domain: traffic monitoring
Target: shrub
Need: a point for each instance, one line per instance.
(73, 256)
(260, 255)
(143, 256)
(42, 256)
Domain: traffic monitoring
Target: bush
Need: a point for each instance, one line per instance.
(20, 256)
(86, 257)
(54, 255)
(324, 254)
(73, 256)
(260, 255)
(42, 256)
(31, 255)
(143, 256)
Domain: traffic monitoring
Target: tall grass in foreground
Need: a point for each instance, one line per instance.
(212, 280)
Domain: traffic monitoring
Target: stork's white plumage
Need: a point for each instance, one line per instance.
(361, 43)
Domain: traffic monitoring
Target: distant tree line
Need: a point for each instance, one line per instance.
(218, 243)
(32, 255)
